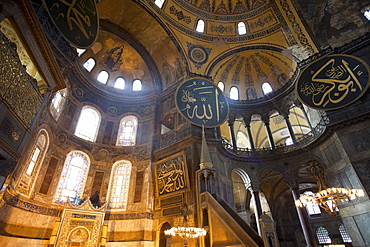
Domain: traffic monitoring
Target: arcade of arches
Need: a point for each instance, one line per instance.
(94, 152)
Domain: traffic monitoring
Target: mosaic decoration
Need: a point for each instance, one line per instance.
(171, 175)
(112, 58)
(257, 67)
(180, 15)
(248, 76)
(14, 201)
(225, 73)
(77, 20)
(201, 102)
(333, 82)
(119, 185)
(103, 153)
(112, 110)
(198, 54)
(266, 20)
(221, 29)
(22, 95)
(236, 76)
(296, 27)
(79, 92)
(129, 216)
(62, 138)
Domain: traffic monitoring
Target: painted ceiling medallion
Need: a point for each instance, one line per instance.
(198, 54)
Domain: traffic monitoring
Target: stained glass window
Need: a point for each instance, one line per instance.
(57, 103)
(89, 64)
(323, 235)
(345, 236)
(88, 123)
(234, 93)
(127, 131)
(311, 207)
(137, 85)
(241, 28)
(119, 184)
(200, 26)
(72, 180)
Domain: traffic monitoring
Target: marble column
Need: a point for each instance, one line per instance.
(266, 121)
(248, 127)
(232, 132)
(290, 128)
(302, 214)
(254, 189)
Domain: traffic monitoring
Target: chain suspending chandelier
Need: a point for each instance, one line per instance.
(327, 198)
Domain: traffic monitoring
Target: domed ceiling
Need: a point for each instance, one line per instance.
(169, 47)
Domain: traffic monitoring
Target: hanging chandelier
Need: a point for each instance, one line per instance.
(327, 198)
(186, 232)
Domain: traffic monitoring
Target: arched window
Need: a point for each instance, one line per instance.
(127, 131)
(367, 13)
(200, 26)
(80, 51)
(323, 235)
(266, 88)
(234, 93)
(120, 83)
(103, 77)
(89, 64)
(88, 123)
(241, 28)
(159, 3)
(73, 177)
(311, 207)
(221, 86)
(57, 103)
(345, 236)
(288, 141)
(251, 94)
(119, 183)
(137, 85)
(34, 162)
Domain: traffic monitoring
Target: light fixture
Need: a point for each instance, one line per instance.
(186, 232)
(327, 198)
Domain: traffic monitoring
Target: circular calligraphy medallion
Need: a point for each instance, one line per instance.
(77, 20)
(202, 102)
(198, 54)
(333, 82)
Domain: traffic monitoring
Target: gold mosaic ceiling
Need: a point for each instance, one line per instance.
(269, 51)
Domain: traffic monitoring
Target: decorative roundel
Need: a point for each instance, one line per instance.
(198, 54)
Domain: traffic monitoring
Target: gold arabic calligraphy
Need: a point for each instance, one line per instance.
(76, 14)
(171, 176)
(336, 86)
(194, 105)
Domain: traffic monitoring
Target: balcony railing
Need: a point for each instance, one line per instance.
(301, 142)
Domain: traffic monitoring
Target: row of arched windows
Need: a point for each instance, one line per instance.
(251, 93)
(323, 236)
(88, 123)
(200, 27)
(103, 77)
(73, 177)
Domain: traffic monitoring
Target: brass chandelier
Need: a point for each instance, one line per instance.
(186, 232)
(327, 198)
